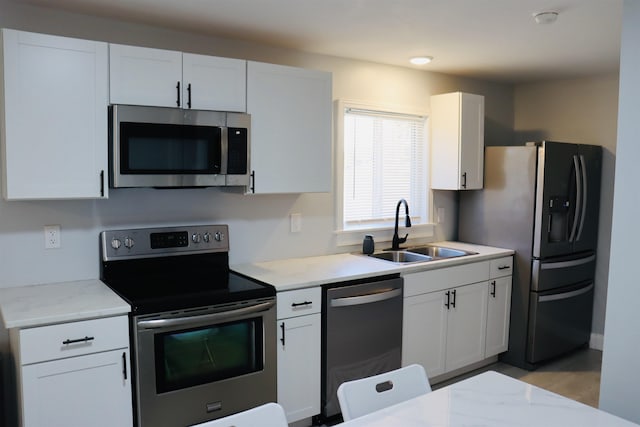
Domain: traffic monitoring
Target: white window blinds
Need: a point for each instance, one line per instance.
(384, 161)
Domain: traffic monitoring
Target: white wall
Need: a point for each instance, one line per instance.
(585, 111)
(620, 380)
(259, 227)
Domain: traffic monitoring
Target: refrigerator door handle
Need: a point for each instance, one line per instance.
(565, 264)
(576, 212)
(583, 210)
(565, 295)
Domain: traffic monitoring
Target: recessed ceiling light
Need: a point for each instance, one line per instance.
(548, 17)
(420, 60)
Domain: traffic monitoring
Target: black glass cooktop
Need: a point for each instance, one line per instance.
(153, 285)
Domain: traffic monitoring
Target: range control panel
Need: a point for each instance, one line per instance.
(152, 242)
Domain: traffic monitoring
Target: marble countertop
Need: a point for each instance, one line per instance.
(37, 305)
(297, 273)
(489, 399)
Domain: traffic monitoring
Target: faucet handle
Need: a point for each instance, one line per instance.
(403, 239)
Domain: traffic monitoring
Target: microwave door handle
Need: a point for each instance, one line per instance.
(585, 190)
(224, 149)
(576, 212)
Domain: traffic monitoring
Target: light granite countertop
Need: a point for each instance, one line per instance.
(37, 305)
(297, 273)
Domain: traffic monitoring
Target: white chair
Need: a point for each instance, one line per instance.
(360, 397)
(267, 415)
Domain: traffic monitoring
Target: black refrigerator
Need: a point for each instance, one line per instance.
(542, 200)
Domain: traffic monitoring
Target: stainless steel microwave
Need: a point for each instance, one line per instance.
(172, 147)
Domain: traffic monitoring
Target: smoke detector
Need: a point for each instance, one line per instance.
(545, 18)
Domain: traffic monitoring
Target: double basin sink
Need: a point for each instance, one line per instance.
(420, 254)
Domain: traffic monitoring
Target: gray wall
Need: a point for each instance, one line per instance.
(585, 111)
(259, 225)
(620, 381)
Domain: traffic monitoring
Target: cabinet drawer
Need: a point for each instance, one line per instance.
(501, 267)
(57, 341)
(444, 278)
(299, 302)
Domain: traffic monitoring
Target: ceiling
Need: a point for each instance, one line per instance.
(494, 40)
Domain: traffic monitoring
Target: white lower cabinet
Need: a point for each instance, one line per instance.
(457, 316)
(80, 391)
(299, 347)
(499, 306)
(445, 330)
(74, 374)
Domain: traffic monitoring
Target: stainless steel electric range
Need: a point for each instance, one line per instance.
(203, 338)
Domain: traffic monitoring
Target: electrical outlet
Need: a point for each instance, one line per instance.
(51, 236)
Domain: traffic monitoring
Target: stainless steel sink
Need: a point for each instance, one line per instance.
(403, 257)
(438, 252)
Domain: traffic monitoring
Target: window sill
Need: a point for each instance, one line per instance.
(382, 234)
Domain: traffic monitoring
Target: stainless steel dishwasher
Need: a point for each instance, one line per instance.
(362, 333)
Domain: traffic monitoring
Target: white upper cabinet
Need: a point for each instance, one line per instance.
(290, 128)
(457, 141)
(166, 78)
(54, 134)
(212, 83)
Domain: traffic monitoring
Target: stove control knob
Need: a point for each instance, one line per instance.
(196, 238)
(116, 243)
(128, 242)
(206, 237)
(218, 236)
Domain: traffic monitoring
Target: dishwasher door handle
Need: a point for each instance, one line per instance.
(366, 299)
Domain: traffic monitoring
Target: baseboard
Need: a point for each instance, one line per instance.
(597, 341)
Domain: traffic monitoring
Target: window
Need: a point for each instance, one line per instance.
(383, 159)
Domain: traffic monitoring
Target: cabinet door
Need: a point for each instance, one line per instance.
(424, 332)
(145, 76)
(212, 83)
(457, 147)
(55, 117)
(471, 141)
(499, 309)
(299, 350)
(290, 128)
(92, 390)
(466, 326)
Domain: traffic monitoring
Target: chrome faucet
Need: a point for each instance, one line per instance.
(395, 243)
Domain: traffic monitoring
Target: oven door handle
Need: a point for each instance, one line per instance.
(224, 315)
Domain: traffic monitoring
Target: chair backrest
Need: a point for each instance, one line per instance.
(267, 415)
(360, 397)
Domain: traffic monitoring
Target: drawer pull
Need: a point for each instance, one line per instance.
(503, 267)
(85, 339)
(298, 304)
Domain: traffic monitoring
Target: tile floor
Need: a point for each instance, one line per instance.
(576, 376)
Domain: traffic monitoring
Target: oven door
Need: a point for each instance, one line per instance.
(200, 365)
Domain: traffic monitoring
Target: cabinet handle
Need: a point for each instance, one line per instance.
(253, 181)
(464, 180)
(493, 289)
(178, 93)
(102, 183)
(124, 365)
(282, 339)
(85, 339)
(504, 267)
(448, 299)
(189, 95)
(298, 304)
(453, 302)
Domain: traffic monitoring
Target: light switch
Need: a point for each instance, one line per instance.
(296, 222)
